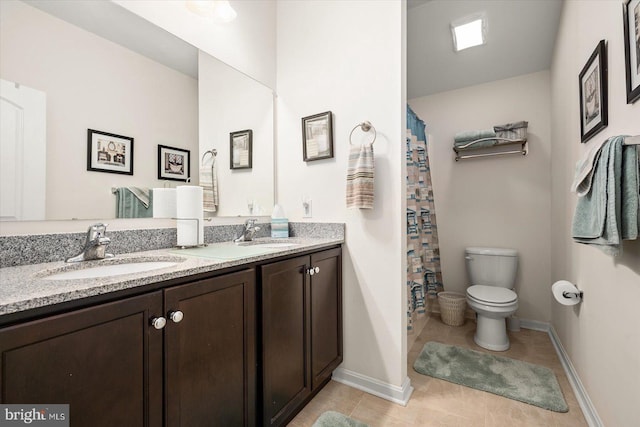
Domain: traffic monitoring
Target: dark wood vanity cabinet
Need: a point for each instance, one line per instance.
(211, 352)
(104, 361)
(301, 322)
(114, 368)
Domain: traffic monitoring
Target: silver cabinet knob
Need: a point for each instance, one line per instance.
(158, 322)
(317, 269)
(176, 316)
(311, 271)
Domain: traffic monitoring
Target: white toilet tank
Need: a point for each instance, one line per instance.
(492, 266)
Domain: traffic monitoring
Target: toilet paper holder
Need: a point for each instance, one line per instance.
(571, 295)
(566, 293)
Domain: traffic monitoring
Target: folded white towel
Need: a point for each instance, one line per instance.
(209, 184)
(585, 168)
(360, 177)
(141, 193)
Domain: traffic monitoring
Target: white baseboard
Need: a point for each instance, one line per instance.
(588, 410)
(535, 325)
(374, 386)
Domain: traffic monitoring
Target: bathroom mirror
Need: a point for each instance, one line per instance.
(99, 66)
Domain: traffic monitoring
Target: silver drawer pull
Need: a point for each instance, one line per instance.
(176, 316)
(158, 322)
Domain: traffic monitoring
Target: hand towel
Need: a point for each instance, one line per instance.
(133, 202)
(472, 135)
(209, 184)
(360, 177)
(608, 213)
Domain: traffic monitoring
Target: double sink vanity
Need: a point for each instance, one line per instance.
(228, 334)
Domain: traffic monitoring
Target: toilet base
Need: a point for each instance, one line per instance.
(492, 334)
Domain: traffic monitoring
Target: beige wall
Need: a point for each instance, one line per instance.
(501, 201)
(92, 83)
(601, 335)
(331, 58)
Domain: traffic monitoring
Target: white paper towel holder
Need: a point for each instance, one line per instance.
(200, 244)
(566, 293)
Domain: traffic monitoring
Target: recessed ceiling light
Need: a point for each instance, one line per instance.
(219, 11)
(469, 32)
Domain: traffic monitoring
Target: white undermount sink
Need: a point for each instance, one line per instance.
(108, 270)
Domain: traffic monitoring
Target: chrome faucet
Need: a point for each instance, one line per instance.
(95, 246)
(248, 232)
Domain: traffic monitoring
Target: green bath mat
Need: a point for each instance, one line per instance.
(336, 419)
(526, 382)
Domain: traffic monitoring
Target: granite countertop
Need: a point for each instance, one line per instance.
(27, 287)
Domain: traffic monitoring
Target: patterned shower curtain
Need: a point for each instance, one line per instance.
(424, 277)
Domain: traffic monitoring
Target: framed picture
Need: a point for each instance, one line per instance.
(173, 163)
(240, 147)
(108, 152)
(593, 93)
(317, 137)
(632, 48)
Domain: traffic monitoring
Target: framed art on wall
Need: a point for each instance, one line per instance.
(241, 144)
(593, 93)
(173, 163)
(317, 137)
(632, 48)
(108, 152)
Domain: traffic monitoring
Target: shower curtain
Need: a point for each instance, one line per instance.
(424, 277)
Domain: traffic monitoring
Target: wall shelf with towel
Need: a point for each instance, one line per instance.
(488, 140)
(479, 144)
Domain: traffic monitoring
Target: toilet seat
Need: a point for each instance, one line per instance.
(491, 295)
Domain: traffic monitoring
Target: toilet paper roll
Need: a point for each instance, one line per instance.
(560, 288)
(164, 203)
(190, 215)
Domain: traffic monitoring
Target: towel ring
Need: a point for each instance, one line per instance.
(213, 152)
(366, 126)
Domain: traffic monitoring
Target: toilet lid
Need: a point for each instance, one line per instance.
(491, 294)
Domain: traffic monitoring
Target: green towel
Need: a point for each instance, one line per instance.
(482, 144)
(609, 212)
(472, 135)
(134, 202)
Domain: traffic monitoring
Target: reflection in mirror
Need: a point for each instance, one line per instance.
(93, 81)
(231, 102)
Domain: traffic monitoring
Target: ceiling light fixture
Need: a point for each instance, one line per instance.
(469, 31)
(219, 11)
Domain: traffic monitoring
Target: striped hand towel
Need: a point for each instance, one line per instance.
(209, 184)
(360, 177)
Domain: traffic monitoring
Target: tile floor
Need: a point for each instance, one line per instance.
(439, 403)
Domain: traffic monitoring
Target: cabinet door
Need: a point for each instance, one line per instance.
(104, 361)
(326, 315)
(210, 353)
(285, 339)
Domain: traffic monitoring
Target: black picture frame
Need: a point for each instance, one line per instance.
(593, 94)
(241, 149)
(109, 152)
(631, 17)
(174, 164)
(317, 137)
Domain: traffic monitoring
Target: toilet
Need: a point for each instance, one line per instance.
(492, 274)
